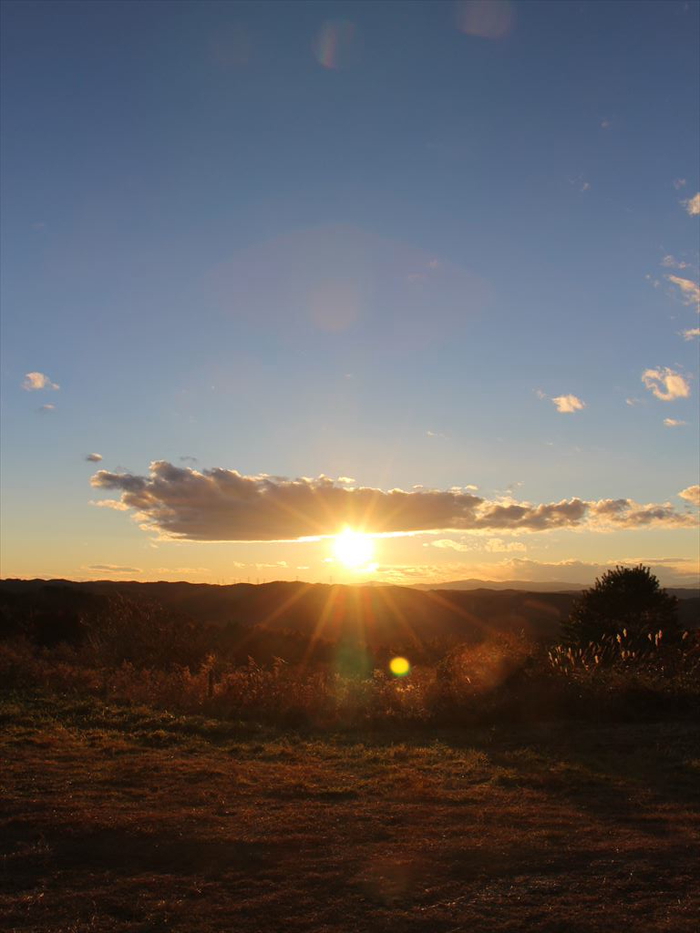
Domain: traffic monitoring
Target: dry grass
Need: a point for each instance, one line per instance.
(127, 819)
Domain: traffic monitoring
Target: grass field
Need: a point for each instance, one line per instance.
(126, 819)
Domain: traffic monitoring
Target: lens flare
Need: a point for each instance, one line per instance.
(399, 667)
(489, 19)
(333, 43)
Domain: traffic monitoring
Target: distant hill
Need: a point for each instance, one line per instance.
(524, 586)
(529, 586)
(395, 616)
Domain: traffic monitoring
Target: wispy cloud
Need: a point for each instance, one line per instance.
(449, 544)
(567, 404)
(666, 384)
(33, 382)
(690, 291)
(692, 205)
(93, 458)
(224, 505)
(497, 546)
(112, 568)
(679, 183)
(691, 333)
(674, 423)
(691, 494)
(115, 504)
(670, 262)
(47, 407)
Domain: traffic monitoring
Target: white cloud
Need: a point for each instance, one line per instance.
(35, 381)
(224, 505)
(691, 333)
(633, 401)
(567, 404)
(93, 458)
(692, 205)
(674, 423)
(48, 407)
(690, 291)
(666, 384)
(347, 480)
(691, 494)
(679, 183)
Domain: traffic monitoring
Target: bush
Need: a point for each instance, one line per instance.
(628, 599)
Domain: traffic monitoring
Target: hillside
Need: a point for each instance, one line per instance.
(374, 615)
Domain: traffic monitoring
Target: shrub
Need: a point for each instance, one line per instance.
(628, 599)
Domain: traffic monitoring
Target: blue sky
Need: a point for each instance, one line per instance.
(368, 240)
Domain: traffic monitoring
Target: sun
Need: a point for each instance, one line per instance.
(353, 549)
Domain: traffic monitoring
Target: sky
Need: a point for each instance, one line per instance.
(423, 271)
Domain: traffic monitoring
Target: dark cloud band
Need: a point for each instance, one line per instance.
(224, 505)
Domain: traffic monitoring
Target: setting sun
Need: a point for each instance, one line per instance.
(353, 549)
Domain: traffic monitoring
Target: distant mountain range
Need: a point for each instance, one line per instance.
(531, 586)
(378, 615)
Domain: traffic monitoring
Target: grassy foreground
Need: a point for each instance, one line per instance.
(116, 818)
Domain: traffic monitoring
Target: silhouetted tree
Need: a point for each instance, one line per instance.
(628, 598)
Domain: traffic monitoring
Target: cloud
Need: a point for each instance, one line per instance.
(496, 545)
(47, 407)
(673, 423)
(35, 381)
(93, 458)
(691, 494)
(604, 124)
(690, 291)
(448, 544)
(346, 480)
(633, 401)
(224, 505)
(692, 205)
(691, 333)
(679, 183)
(672, 571)
(670, 262)
(187, 459)
(112, 568)
(110, 504)
(666, 384)
(567, 404)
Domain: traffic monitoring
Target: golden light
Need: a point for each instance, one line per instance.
(399, 667)
(353, 549)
